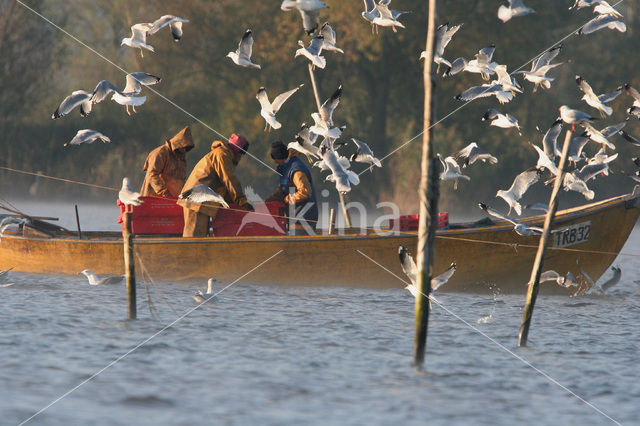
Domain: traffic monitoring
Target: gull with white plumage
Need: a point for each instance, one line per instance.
(242, 55)
(323, 120)
(518, 227)
(451, 171)
(411, 271)
(444, 34)
(305, 143)
(520, 185)
(363, 154)
(127, 195)
(313, 51)
(498, 119)
(516, 8)
(203, 194)
(472, 153)
(540, 67)
(268, 110)
(597, 101)
(87, 136)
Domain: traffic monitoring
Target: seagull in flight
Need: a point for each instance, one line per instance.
(520, 185)
(516, 8)
(268, 110)
(174, 23)
(550, 139)
(562, 280)
(363, 154)
(451, 171)
(305, 143)
(242, 56)
(324, 118)
(312, 52)
(138, 39)
(411, 270)
(87, 136)
(540, 67)
(342, 177)
(498, 119)
(603, 21)
(444, 34)
(472, 152)
(520, 228)
(597, 101)
(329, 38)
(202, 194)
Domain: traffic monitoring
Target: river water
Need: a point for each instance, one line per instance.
(287, 356)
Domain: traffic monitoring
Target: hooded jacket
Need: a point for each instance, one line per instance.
(166, 169)
(216, 171)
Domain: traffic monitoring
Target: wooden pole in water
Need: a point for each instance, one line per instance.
(78, 222)
(332, 216)
(316, 94)
(534, 281)
(428, 195)
(129, 263)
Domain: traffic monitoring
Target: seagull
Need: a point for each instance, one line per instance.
(136, 80)
(564, 281)
(544, 161)
(597, 136)
(312, 53)
(127, 195)
(601, 289)
(268, 110)
(4, 274)
(370, 13)
(304, 143)
(482, 64)
(572, 182)
(484, 91)
(209, 295)
(604, 8)
(363, 154)
(102, 90)
(506, 80)
(520, 228)
(516, 8)
(451, 171)
(579, 4)
(411, 270)
(94, 280)
(635, 141)
(87, 136)
(386, 17)
(520, 185)
(498, 119)
(635, 108)
(550, 139)
(329, 41)
(597, 165)
(129, 101)
(597, 101)
(242, 56)
(576, 146)
(603, 21)
(174, 22)
(80, 98)
(443, 37)
(540, 67)
(344, 162)
(342, 177)
(472, 152)
(324, 118)
(8, 221)
(201, 194)
(261, 215)
(574, 116)
(537, 206)
(138, 38)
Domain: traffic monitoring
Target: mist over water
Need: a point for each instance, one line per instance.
(263, 354)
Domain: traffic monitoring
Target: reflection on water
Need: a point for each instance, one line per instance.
(270, 355)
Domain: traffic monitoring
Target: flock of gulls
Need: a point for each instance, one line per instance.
(324, 155)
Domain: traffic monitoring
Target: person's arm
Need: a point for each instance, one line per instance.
(303, 189)
(224, 167)
(155, 166)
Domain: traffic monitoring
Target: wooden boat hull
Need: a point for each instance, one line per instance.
(492, 258)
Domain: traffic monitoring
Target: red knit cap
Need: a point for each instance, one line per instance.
(238, 143)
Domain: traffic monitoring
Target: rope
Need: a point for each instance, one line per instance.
(59, 179)
(145, 271)
(152, 308)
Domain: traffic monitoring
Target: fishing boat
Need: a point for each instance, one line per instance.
(490, 256)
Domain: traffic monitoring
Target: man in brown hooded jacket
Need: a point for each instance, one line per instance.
(215, 170)
(166, 166)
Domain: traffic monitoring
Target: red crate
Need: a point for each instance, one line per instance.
(237, 222)
(155, 216)
(409, 222)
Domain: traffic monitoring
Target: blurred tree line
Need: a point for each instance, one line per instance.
(381, 74)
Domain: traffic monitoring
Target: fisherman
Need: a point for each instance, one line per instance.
(295, 189)
(166, 166)
(215, 170)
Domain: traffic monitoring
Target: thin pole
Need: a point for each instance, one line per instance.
(129, 264)
(332, 215)
(428, 196)
(316, 94)
(78, 222)
(534, 281)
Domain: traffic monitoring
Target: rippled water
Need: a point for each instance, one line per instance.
(271, 355)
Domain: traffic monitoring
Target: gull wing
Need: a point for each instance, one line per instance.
(444, 34)
(549, 276)
(632, 92)
(523, 182)
(139, 32)
(497, 214)
(362, 148)
(202, 193)
(589, 171)
(315, 47)
(609, 131)
(245, 47)
(262, 97)
(328, 33)
(602, 21)
(281, 98)
(545, 161)
(408, 265)
(310, 20)
(485, 54)
(584, 86)
(136, 79)
(102, 90)
(79, 97)
(577, 145)
(441, 279)
(327, 108)
(165, 20)
(483, 91)
(549, 140)
(546, 57)
(369, 5)
(384, 11)
(608, 97)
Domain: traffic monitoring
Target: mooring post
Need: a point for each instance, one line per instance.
(332, 216)
(316, 94)
(129, 263)
(78, 222)
(428, 195)
(534, 280)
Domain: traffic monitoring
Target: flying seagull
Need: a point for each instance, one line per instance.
(484, 91)
(209, 295)
(387, 17)
(603, 21)
(451, 171)
(242, 56)
(597, 101)
(136, 80)
(138, 38)
(342, 177)
(87, 136)
(174, 22)
(305, 143)
(268, 110)
(309, 10)
(411, 270)
(324, 118)
(472, 152)
(562, 280)
(520, 185)
(520, 228)
(363, 154)
(540, 67)
(550, 139)
(80, 98)
(95, 280)
(127, 195)
(329, 38)
(312, 52)
(444, 34)
(201, 194)
(516, 8)
(499, 119)
(102, 90)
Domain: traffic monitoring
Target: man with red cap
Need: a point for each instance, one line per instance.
(216, 171)
(166, 166)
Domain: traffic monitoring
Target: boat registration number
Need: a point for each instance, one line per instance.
(573, 234)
